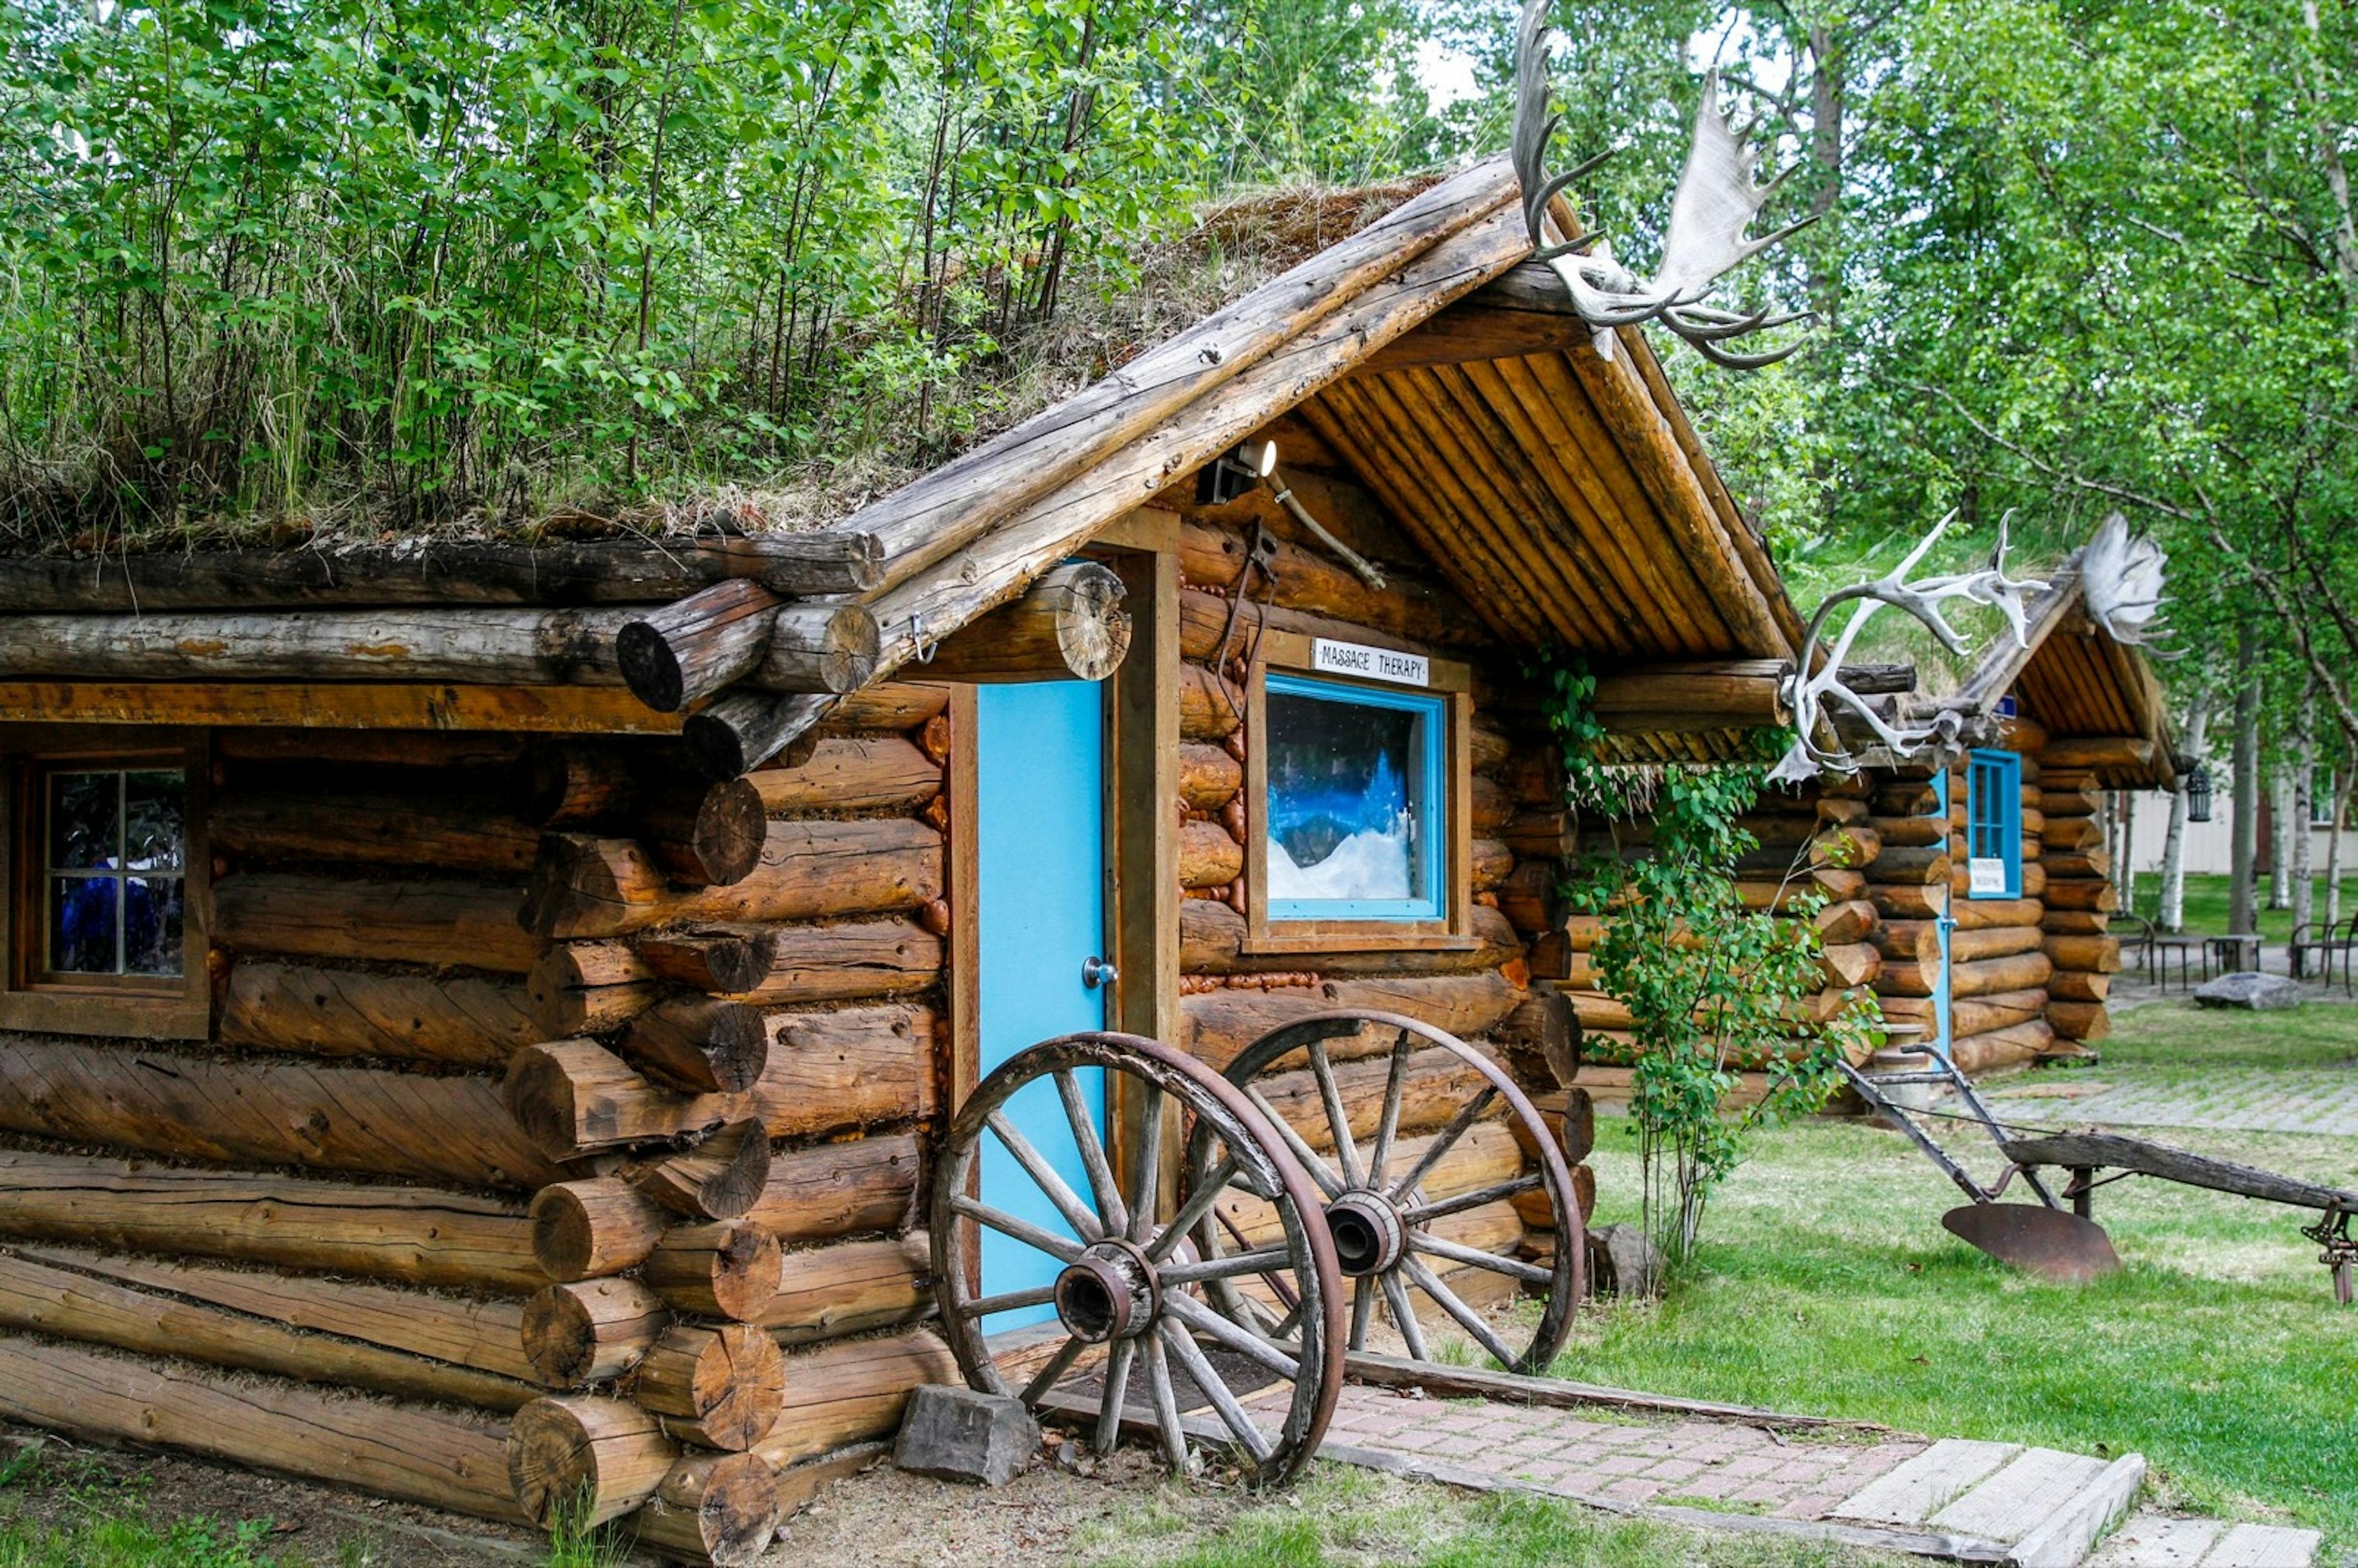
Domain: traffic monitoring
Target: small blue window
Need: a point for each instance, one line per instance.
(1994, 826)
(1356, 811)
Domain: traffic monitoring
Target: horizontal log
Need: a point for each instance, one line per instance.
(2086, 1021)
(589, 988)
(1909, 941)
(697, 1045)
(2080, 893)
(593, 1226)
(422, 1454)
(446, 832)
(431, 572)
(465, 925)
(2077, 985)
(498, 647)
(1993, 942)
(887, 705)
(727, 1269)
(1212, 941)
(1220, 1024)
(586, 886)
(2091, 864)
(851, 773)
(1727, 693)
(852, 1389)
(590, 1331)
(1210, 708)
(717, 1178)
(2075, 923)
(1210, 856)
(1308, 580)
(1068, 625)
(2090, 955)
(1849, 964)
(578, 1456)
(1927, 863)
(2001, 1048)
(719, 1508)
(1208, 777)
(410, 1234)
(2060, 803)
(2020, 971)
(173, 1310)
(323, 706)
(1905, 797)
(851, 1287)
(1437, 1086)
(1977, 914)
(703, 834)
(2099, 753)
(1911, 832)
(1542, 1027)
(720, 1386)
(678, 654)
(457, 1020)
(824, 1191)
(451, 1130)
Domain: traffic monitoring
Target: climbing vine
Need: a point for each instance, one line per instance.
(1712, 985)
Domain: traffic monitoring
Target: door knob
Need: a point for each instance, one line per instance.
(1096, 973)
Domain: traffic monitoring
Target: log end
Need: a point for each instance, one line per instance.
(650, 666)
(717, 1509)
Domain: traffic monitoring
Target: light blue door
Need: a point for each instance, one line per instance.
(1040, 869)
(1944, 1036)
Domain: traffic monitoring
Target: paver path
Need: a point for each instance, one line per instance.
(2290, 1100)
(1601, 1453)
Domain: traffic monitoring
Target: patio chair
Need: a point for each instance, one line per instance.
(2328, 941)
(2136, 934)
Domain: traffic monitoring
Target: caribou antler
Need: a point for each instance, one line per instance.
(1811, 694)
(1715, 203)
(2121, 579)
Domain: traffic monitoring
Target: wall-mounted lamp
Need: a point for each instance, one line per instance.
(2198, 794)
(1231, 475)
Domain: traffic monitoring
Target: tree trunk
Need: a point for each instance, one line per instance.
(2344, 779)
(2173, 853)
(2242, 914)
(2280, 836)
(2302, 861)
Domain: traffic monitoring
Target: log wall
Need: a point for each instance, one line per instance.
(1230, 996)
(549, 1103)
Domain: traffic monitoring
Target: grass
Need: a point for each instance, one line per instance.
(1338, 1515)
(2206, 905)
(1826, 1285)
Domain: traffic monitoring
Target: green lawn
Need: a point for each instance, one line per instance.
(1826, 1285)
(2206, 905)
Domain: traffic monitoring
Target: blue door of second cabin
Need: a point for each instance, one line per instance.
(1040, 875)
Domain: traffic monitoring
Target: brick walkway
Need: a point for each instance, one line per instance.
(1593, 1453)
(2289, 1100)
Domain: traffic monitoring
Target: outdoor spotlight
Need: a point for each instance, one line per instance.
(1231, 475)
(2198, 794)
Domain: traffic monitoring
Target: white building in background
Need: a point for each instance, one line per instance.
(2210, 846)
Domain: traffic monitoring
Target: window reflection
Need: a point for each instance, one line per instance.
(115, 850)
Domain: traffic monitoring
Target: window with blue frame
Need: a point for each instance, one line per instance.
(1994, 824)
(1356, 813)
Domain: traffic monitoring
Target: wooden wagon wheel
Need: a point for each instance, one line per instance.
(1382, 1224)
(1133, 1284)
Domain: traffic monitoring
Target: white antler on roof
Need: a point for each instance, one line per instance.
(1816, 694)
(2121, 578)
(1715, 205)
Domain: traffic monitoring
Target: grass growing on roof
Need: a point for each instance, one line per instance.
(1828, 1286)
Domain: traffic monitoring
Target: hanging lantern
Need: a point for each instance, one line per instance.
(2198, 794)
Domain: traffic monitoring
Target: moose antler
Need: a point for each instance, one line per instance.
(2121, 579)
(1811, 694)
(1715, 203)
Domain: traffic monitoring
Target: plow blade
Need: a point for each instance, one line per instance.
(2047, 1241)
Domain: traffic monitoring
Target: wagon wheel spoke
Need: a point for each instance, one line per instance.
(1245, 1342)
(1008, 1301)
(1069, 1203)
(1404, 1314)
(1276, 1283)
(1467, 1114)
(1058, 1364)
(1199, 1370)
(1191, 1213)
(1085, 1137)
(1228, 1266)
(1424, 1214)
(1311, 1160)
(1117, 1393)
(1166, 1404)
(1363, 1307)
(1474, 1257)
(1148, 1194)
(1063, 1248)
(1467, 1318)
(1388, 1126)
(1338, 1121)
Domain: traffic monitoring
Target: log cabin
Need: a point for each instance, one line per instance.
(475, 1013)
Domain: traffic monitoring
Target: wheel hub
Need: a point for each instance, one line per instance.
(1109, 1292)
(1369, 1236)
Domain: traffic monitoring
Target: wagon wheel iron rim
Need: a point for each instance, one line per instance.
(1133, 1284)
(1381, 1220)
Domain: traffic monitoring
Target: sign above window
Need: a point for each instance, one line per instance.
(1387, 665)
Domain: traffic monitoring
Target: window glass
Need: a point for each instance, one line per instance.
(1994, 824)
(114, 841)
(1353, 815)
